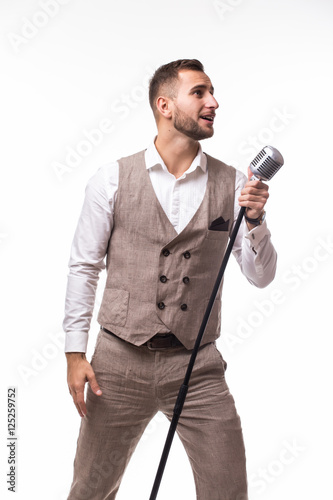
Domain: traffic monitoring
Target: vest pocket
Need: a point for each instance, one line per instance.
(114, 307)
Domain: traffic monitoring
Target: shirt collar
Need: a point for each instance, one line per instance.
(153, 158)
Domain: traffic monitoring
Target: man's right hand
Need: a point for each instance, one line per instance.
(79, 371)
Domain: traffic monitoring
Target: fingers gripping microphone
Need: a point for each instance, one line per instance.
(266, 164)
(263, 167)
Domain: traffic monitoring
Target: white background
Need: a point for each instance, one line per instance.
(62, 74)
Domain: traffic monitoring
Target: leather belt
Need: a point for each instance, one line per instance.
(163, 341)
(158, 341)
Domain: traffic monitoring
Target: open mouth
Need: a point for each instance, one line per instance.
(209, 118)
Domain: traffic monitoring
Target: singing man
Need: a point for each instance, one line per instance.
(161, 218)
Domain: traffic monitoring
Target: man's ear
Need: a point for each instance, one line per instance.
(164, 106)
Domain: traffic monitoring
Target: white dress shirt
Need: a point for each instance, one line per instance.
(180, 199)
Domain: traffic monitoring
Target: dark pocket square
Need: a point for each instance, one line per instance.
(219, 225)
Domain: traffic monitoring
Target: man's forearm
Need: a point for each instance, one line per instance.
(259, 259)
(256, 255)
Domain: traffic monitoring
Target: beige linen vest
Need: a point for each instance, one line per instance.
(159, 281)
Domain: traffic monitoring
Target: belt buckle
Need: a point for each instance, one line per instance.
(151, 347)
(150, 343)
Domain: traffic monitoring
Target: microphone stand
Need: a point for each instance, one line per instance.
(184, 387)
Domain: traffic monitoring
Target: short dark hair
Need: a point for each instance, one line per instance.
(167, 75)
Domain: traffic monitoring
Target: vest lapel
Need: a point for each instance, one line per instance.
(170, 230)
(201, 213)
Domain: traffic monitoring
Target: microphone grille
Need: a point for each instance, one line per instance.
(267, 163)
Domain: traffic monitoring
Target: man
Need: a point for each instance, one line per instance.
(162, 217)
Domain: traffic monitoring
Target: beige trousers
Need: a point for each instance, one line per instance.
(136, 384)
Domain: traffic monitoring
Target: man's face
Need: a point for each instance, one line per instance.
(195, 105)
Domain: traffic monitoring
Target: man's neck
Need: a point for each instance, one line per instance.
(177, 153)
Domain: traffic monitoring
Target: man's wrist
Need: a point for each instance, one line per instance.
(75, 355)
(255, 221)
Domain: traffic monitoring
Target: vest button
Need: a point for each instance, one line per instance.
(183, 307)
(166, 252)
(186, 280)
(187, 255)
(161, 305)
(163, 279)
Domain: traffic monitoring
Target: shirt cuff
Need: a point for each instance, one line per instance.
(257, 234)
(76, 342)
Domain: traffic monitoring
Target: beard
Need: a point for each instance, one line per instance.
(189, 127)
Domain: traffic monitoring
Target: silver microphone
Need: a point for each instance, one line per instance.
(266, 164)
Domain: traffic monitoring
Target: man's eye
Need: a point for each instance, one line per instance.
(197, 92)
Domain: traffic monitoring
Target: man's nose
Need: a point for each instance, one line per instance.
(212, 102)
